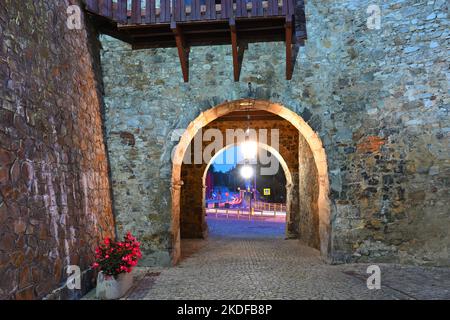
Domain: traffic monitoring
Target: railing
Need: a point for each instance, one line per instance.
(267, 206)
(137, 12)
(244, 213)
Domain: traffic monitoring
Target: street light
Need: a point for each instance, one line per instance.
(247, 172)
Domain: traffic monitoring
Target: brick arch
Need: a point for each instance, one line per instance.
(313, 142)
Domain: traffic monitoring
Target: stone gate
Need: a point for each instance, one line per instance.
(86, 126)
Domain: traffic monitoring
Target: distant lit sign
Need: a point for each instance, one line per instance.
(267, 191)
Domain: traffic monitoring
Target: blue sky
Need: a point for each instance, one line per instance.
(228, 159)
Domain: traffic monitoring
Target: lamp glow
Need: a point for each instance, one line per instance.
(246, 172)
(249, 149)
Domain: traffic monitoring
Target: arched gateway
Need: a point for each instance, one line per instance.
(315, 202)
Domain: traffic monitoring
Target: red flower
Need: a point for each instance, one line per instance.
(115, 257)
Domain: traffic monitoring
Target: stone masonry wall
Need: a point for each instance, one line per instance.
(308, 220)
(54, 192)
(377, 97)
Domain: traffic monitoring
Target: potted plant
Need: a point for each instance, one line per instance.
(115, 260)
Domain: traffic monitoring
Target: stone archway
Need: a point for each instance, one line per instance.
(312, 143)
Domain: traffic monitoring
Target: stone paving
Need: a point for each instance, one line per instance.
(251, 260)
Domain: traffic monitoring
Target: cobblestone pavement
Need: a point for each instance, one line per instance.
(237, 262)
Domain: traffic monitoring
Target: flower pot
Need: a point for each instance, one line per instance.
(110, 288)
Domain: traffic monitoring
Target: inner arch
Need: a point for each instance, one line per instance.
(262, 145)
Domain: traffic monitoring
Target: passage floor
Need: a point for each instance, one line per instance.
(251, 260)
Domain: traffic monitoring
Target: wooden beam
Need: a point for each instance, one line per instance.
(237, 50)
(234, 46)
(183, 50)
(289, 57)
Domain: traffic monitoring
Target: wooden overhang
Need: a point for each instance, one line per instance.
(186, 23)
